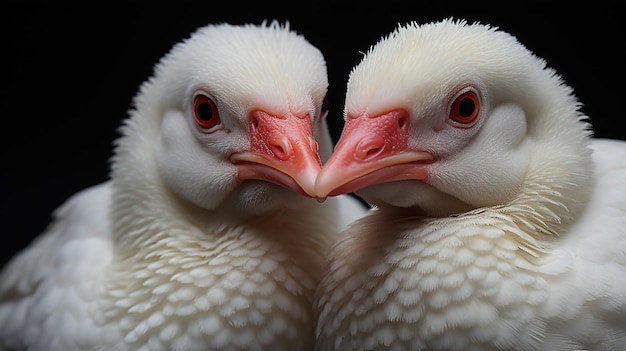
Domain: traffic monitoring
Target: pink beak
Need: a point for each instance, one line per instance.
(283, 151)
(372, 150)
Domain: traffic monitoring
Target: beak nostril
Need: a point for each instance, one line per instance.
(402, 121)
(281, 147)
(314, 144)
(254, 123)
(369, 147)
(372, 152)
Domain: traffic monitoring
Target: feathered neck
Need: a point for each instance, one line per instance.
(558, 183)
(140, 198)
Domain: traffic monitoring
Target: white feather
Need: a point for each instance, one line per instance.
(515, 239)
(174, 253)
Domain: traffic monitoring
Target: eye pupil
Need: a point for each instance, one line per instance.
(466, 107)
(205, 112)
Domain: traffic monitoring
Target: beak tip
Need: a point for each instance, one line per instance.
(323, 185)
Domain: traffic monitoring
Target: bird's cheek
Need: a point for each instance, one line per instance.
(506, 127)
(185, 166)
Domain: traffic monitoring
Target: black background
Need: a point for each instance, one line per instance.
(70, 73)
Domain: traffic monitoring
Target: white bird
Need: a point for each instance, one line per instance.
(499, 223)
(207, 236)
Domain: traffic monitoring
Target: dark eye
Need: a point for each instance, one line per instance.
(465, 108)
(205, 112)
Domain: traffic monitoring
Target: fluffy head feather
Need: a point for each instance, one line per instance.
(243, 68)
(528, 117)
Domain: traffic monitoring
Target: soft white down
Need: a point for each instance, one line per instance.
(206, 237)
(500, 223)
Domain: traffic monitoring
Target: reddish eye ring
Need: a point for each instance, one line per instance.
(465, 108)
(205, 112)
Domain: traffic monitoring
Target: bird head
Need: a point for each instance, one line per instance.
(233, 113)
(446, 117)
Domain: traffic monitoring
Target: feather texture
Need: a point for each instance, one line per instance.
(206, 237)
(499, 223)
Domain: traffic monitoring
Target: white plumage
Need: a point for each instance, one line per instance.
(206, 237)
(499, 223)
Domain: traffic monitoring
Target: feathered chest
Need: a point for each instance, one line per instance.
(429, 282)
(243, 286)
